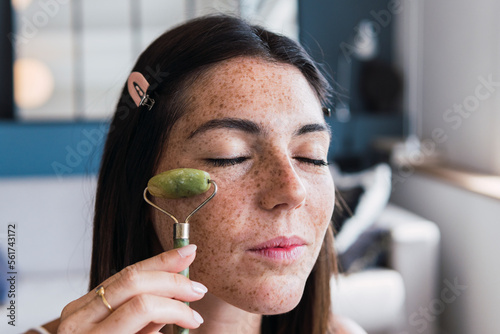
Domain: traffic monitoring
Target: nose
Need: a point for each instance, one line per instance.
(282, 187)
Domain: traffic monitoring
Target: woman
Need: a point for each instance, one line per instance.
(244, 105)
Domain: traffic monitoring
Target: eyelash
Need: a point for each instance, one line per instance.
(226, 162)
(239, 160)
(315, 162)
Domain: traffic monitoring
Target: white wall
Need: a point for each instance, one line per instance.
(445, 46)
(470, 228)
(53, 219)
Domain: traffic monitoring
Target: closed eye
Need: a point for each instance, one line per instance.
(315, 162)
(226, 162)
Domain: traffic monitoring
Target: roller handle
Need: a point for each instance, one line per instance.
(181, 239)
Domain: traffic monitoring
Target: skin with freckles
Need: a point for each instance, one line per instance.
(258, 129)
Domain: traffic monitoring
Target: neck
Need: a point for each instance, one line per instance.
(221, 317)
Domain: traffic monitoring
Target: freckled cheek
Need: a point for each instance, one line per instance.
(236, 188)
(225, 221)
(223, 217)
(214, 234)
(321, 201)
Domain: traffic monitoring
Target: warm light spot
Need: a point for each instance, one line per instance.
(33, 83)
(20, 4)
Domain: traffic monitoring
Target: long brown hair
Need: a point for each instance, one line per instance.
(123, 230)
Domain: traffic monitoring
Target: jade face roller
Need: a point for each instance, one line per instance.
(174, 184)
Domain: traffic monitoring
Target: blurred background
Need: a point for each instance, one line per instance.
(415, 120)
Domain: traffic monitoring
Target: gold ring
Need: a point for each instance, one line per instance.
(100, 292)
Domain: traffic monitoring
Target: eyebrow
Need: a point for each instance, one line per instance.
(315, 127)
(228, 123)
(252, 127)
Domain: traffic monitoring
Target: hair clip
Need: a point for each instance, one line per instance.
(327, 111)
(137, 88)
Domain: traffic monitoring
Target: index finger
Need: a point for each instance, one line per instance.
(173, 261)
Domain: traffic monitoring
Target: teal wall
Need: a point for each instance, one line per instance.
(51, 149)
(324, 26)
(62, 149)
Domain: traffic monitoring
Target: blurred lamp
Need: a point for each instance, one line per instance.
(365, 41)
(33, 83)
(20, 4)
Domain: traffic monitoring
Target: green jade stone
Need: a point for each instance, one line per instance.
(179, 183)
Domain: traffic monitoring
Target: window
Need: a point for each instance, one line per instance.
(72, 57)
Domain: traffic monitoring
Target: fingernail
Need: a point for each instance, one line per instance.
(198, 287)
(186, 250)
(197, 317)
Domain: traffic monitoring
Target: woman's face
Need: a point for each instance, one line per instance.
(258, 129)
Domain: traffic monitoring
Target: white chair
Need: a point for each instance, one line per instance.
(387, 300)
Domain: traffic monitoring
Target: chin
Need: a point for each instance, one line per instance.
(279, 309)
(278, 298)
(275, 306)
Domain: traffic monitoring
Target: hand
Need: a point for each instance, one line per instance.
(144, 296)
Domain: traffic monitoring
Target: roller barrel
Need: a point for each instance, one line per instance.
(179, 183)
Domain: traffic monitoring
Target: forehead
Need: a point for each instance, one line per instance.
(253, 87)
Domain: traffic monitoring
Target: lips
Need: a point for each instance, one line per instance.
(280, 249)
